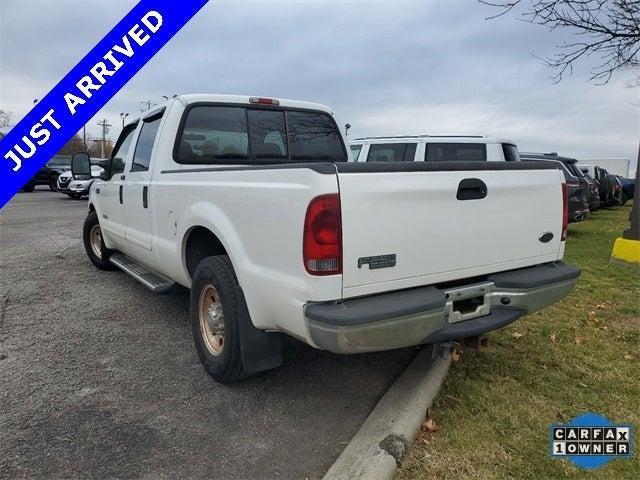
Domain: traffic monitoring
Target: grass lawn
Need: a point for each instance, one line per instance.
(581, 355)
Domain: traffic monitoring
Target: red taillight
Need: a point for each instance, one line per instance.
(264, 101)
(322, 239)
(565, 211)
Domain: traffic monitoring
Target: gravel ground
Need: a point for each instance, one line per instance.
(99, 378)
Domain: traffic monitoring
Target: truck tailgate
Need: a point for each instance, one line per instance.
(413, 211)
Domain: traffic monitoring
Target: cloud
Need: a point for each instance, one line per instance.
(386, 67)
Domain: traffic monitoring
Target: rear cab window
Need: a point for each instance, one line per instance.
(212, 134)
(456, 152)
(392, 152)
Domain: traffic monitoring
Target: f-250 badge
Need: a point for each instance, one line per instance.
(379, 261)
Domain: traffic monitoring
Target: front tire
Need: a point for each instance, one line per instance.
(214, 319)
(94, 243)
(53, 184)
(623, 199)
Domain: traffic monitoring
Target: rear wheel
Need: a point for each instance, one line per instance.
(94, 243)
(214, 319)
(28, 188)
(623, 199)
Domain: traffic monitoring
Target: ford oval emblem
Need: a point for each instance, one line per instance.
(546, 237)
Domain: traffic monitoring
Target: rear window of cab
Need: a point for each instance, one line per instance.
(211, 134)
(455, 152)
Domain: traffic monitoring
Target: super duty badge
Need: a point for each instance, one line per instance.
(379, 261)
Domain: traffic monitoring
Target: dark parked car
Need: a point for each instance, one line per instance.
(594, 193)
(48, 174)
(577, 186)
(628, 188)
(29, 186)
(610, 188)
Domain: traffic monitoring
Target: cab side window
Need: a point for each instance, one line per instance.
(355, 152)
(144, 147)
(392, 152)
(121, 150)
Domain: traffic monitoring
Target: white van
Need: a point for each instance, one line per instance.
(433, 148)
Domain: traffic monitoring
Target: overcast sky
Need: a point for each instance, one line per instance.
(394, 67)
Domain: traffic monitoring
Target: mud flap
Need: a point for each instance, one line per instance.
(260, 350)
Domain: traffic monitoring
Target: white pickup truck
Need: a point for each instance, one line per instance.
(251, 204)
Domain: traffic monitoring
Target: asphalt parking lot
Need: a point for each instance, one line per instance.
(99, 378)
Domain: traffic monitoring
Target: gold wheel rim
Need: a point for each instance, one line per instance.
(95, 240)
(211, 319)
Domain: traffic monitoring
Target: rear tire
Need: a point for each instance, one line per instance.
(94, 243)
(28, 188)
(214, 319)
(623, 199)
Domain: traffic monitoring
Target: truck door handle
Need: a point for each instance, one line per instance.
(120, 193)
(471, 189)
(145, 196)
(122, 177)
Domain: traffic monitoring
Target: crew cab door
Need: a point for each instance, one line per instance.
(110, 203)
(136, 188)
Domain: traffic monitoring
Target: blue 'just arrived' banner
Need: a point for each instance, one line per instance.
(88, 87)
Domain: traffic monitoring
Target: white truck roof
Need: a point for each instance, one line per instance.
(432, 139)
(191, 98)
(247, 100)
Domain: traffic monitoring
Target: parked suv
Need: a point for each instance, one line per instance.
(48, 174)
(433, 148)
(628, 189)
(79, 187)
(577, 185)
(609, 186)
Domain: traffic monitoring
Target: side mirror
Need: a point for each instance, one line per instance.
(81, 165)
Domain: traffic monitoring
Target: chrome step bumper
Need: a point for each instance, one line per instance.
(430, 314)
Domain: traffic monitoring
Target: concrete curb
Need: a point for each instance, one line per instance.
(381, 442)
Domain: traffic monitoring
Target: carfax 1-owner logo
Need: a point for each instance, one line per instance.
(590, 441)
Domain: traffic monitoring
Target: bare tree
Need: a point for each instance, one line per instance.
(5, 118)
(606, 29)
(73, 145)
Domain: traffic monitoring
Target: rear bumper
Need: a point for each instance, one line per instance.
(427, 315)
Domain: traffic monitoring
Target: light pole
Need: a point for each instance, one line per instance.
(105, 129)
(148, 104)
(123, 116)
